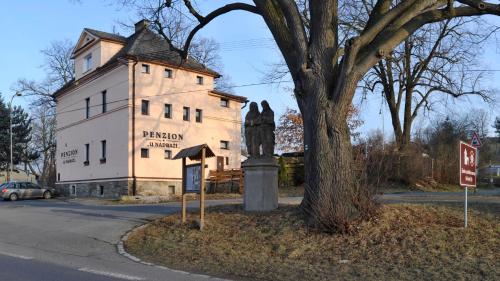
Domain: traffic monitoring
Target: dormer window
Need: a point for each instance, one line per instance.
(87, 64)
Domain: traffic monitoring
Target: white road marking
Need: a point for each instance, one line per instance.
(16, 256)
(111, 274)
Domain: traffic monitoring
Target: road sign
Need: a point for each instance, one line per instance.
(468, 162)
(475, 141)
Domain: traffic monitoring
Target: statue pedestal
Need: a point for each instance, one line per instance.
(261, 184)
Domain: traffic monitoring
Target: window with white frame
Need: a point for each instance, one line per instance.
(168, 111)
(87, 154)
(144, 153)
(224, 144)
(168, 73)
(104, 101)
(168, 154)
(87, 63)
(103, 152)
(199, 115)
(87, 108)
(185, 113)
(224, 102)
(145, 107)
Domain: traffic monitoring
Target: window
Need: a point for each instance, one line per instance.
(87, 64)
(199, 115)
(58, 176)
(101, 190)
(145, 68)
(168, 111)
(72, 190)
(103, 152)
(185, 114)
(144, 153)
(227, 160)
(224, 102)
(224, 144)
(168, 154)
(87, 154)
(145, 107)
(199, 80)
(87, 108)
(171, 189)
(104, 102)
(168, 73)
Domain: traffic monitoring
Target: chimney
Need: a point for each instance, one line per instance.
(139, 26)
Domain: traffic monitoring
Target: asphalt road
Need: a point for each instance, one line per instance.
(53, 240)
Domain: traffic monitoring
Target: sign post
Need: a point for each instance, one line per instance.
(193, 177)
(468, 176)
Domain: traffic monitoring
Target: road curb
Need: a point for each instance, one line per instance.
(121, 250)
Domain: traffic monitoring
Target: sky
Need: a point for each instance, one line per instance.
(247, 52)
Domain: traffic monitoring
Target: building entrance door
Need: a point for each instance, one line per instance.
(220, 163)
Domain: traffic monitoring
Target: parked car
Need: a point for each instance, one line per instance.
(16, 190)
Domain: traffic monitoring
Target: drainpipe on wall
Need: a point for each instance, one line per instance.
(134, 178)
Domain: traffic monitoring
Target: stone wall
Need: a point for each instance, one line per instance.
(116, 189)
(162, 188)
(108, 189)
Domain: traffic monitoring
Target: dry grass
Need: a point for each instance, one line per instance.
(404, 242)
(131, 200)
(291, 191)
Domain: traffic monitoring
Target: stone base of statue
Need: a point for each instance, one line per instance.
(261, 184)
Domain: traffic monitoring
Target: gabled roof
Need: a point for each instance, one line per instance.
(194, 152)
(106, 35)
(144, 45)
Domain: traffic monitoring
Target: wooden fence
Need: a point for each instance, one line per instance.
(226, 181)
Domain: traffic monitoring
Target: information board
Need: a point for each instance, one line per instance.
(193, 178)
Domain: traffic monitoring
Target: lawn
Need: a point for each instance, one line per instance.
(403, 242)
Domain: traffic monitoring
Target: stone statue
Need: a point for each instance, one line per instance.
(261, 171)
(267, 127)
(252, 130)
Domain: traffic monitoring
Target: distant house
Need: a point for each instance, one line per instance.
(134, 104)
(17, 175)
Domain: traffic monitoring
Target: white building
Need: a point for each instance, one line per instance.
(132, 106)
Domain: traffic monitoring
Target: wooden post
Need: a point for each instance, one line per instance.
(183, 201)
(202, 189)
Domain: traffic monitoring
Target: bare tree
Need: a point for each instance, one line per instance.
(434, 63)
(43, 140)
(60, 70)
(326, 73)
(496, 126)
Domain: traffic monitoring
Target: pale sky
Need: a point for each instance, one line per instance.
(246, 50)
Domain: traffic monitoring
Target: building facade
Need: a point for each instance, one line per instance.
(132, 106)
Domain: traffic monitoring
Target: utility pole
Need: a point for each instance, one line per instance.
(17, 94)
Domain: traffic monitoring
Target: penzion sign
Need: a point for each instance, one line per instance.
(69, 156)
(162, 139)
(468, 163)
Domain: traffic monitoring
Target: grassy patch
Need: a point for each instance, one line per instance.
(404, 242)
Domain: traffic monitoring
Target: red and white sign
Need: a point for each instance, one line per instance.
(475, 141)
(468, 164)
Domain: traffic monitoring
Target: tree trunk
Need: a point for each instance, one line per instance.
(330, 200)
